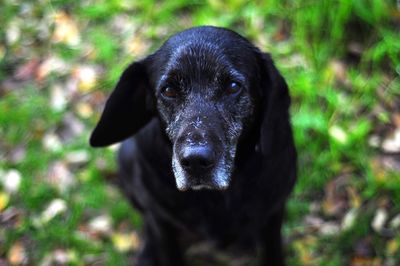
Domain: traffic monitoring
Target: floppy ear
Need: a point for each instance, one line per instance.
(276, 132)
(128, 108)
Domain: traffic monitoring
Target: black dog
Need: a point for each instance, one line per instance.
(212, 154)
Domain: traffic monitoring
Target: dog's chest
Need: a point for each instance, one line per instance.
(209, 215)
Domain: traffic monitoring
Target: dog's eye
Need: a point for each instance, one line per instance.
(169, 92)
(233, 88)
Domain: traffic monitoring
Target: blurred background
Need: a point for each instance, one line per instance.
(60, 59)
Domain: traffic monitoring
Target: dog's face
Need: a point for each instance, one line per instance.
(205, 84)
(205, 99)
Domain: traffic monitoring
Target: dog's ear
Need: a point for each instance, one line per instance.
(275, 131)
(128, 108)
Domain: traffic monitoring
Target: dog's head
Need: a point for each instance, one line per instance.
(209, 86)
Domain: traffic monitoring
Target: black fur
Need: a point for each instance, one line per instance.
(212, 155)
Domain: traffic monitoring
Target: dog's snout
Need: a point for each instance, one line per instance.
(197, 159)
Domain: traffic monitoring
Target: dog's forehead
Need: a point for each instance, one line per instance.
(201, 56)
(208, 48)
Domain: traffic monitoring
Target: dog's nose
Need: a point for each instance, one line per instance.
(197, 159)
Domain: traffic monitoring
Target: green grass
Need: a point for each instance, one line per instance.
(341, 60)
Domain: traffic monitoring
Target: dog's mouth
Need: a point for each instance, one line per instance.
(202, 175)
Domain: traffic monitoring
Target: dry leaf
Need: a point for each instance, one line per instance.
(4, 199)
(56, 207)
(329, 229)
(77, 157)
(84, 110)
(2, 52)
(58, 98)
(27, 70)
(365, 261)
(59, 257)
(60, 176)
(379, 220)
(51, 142)
(349, 219)
(393, 247)
(17, 254)
(304, 250)
(87, 77)
(101, 225)
(124, 242)
(66, 29)
(11, 180)
(52, 64)
(335, 201)
(395, 222)
(392, 143)
(13, 33)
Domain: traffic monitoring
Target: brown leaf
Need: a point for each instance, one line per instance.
(66, 29)
(60, 176)
(396, 119)
(336, 198)
(27, 70)
(17, 254)
(365, 261)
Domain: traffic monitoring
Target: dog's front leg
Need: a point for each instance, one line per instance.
(270, 249)
(160, 247)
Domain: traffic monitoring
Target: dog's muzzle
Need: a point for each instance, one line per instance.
(198, 162)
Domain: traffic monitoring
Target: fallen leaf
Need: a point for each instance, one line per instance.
(27, 70)
(13, 33)
(392, 247)
(58, 99)
(11, 180)
(378, 171)
(303, 248)
(101, 225)
(355, 199)
(11, 218)
(336, 199)
(56, 207)
(51, 142)
(17, 254)
(87, 77)
(124, 242)
(2, 52)
(66, 29)
(60, 176)
(59, 257)
(77, 157)
(349, 219)
(329, 229)
(395, 222)
(365, 261)
(50, 65)
(4, 199)
(392, 143)
(84, 110)
(379, 220)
